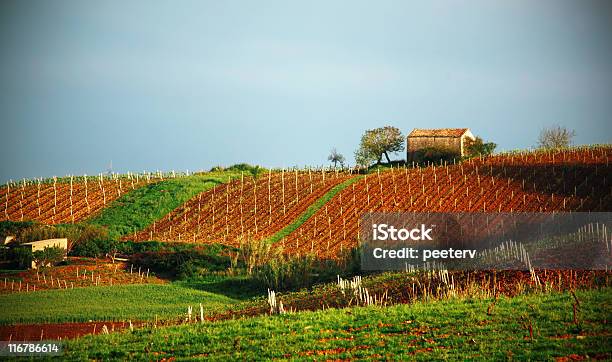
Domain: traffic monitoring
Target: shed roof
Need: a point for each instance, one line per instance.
(45, 242)
(439, 132)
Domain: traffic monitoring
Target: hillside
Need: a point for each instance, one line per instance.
(295, 208)
(567, 180)
(247, 206)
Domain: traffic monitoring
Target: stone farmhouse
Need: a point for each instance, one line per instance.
(455, 139)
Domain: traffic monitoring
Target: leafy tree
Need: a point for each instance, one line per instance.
(363, 158)
(479, 147)
(336, 158)
(555, 137)
(48, 256)
(379, 142)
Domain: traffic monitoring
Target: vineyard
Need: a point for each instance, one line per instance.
(245, 207)
(565, 181)
(196, 287)
(80, 273)
(66, 200)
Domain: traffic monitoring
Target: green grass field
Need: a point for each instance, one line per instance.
(119, 302)
(452, 329)
(139, 208)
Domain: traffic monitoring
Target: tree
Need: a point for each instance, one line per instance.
(336, 158)
(555, 137)
(479, 147)
(48, 256)
(379, 142)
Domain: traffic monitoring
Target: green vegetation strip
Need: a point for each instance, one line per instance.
(118, 302)
(311, 210)
(451, 329)
(139, 208)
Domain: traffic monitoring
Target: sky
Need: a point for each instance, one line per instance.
(187, 85)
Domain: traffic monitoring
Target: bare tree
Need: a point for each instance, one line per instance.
(555, 137)
(336, 157)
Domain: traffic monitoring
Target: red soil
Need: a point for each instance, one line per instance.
(58, 202)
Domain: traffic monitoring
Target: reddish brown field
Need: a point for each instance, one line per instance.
(82, 272)
(62, 201)
(58, 331)
(256, 207)
(572, 180)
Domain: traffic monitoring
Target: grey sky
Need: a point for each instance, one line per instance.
(189, 85)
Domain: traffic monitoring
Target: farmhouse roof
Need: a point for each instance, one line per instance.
(440, 132)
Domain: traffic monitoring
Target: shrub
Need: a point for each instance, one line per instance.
(286, 272)
(87, 248)
(255, 171)
(22, 257)
(270, 267)
(13, 227)
(436, 155)
(478, 147)
(48, 256)
(255, 253)
(184, 263)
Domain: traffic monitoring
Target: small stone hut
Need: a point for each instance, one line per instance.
(455, 139)
(42, 244)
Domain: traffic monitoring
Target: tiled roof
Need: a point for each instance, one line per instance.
(440, 132)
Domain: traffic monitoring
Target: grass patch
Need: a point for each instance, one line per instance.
(119, 302)
(239, 287)
(453, 329)
(311, 210)
(139, 208)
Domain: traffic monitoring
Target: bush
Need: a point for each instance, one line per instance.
(436, 155)
(48, 256)
(256, 253)
(87, 248)
(480, 148)
(13, 227)
(272, 268)
(89, 240)
(285, 272)
(255, 171)
(22, 257)
(183, 262)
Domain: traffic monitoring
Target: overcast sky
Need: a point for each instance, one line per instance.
(189, 85)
